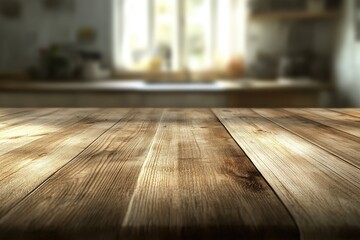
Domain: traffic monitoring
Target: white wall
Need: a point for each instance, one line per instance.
(347, 68)
(276, 37)
(97, 14)
(20, 39)
(116, 32)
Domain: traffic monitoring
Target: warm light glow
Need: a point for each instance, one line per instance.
(176, 35)
(135, 30)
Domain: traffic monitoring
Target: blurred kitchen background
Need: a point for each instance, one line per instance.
(179, 53)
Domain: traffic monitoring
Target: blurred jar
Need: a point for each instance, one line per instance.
(236, 66)
(149, 64)
(92, 70)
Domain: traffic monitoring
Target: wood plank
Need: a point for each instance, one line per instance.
(20, 129)
(91, 194)
(15, 119)
(10, 111)
(337, 120)
(188, 175)
(36, 123)
(196, 182)
(320, 190)
(350, 111)
(341, 144)
(24, 168)
(19, 118)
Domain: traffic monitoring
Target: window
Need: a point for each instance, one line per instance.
(181, 35)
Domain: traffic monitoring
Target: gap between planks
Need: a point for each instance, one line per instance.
(4, 112)
(142, 171)
(59, 169)
(347, 153)
(233, 193)
(177, 133)
(340, 121)
(354, 112)
(79, 130)
(118, 149)
(318, 183)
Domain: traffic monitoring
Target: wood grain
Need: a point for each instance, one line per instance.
(179, 173)
(22, 128)
(341, 121)
(182, 176)
(339, 143)
(349, 111)
(196, 182)
(24, 168)
(93, 191)
(321, 191)
(7, 112)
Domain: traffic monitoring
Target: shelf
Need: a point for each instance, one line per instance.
(294, 15)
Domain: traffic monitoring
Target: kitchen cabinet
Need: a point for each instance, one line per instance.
(141, 94)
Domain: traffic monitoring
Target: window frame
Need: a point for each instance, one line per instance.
(180, 69)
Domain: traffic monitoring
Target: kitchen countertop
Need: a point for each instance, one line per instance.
(142, 86)
(179, 173)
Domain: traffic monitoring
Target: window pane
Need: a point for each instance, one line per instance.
(172, 35)
(197, 34)
(223, 41)
(230, 31)
(136, 32)
(164, 32)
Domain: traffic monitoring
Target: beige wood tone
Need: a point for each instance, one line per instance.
(197, 179)
(182, 175)
(179, 173)
(6, 112)
(19, 129)
(25, 168)
(341, 121)
(349, 111)
(93, 191)
(339, 143)
(321, 191)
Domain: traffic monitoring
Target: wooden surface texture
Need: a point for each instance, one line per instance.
(179, 173)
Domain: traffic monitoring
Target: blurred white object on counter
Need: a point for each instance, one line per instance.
(93, 71)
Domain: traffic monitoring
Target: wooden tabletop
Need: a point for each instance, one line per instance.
(179, 173)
